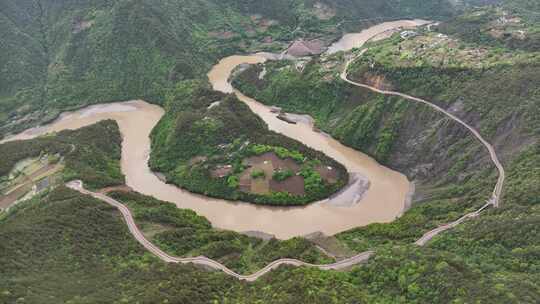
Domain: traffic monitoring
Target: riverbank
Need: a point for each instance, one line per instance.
(135, 125)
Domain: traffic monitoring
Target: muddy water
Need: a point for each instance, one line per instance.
(90, 115)
(350, 41)
(383, 202)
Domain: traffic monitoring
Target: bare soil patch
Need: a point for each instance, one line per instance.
(277, 162)
(221, 171)
(269, 163)
(328, 173)
(293, 185)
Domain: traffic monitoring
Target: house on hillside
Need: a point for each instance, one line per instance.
(408, 34)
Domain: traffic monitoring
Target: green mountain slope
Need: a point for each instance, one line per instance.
(492, 85)
(59, 55)
(66, 247)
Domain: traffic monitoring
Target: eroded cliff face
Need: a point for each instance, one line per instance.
(497, 102)
(431, 149)
(376, 80)
(434, 151)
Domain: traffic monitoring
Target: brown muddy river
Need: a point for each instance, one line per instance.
(383, 201)
(353, 40)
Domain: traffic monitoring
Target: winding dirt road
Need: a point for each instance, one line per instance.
(494, 200)
(215, 265)
(202, 260)
(430, 234)
(359, 258)
(496, 194)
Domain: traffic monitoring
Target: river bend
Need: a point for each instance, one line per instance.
(382, 202)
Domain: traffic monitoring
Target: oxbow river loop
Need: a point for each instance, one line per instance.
(383, 201)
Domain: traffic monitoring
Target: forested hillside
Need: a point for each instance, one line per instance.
(66, 247)
(59, 55)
